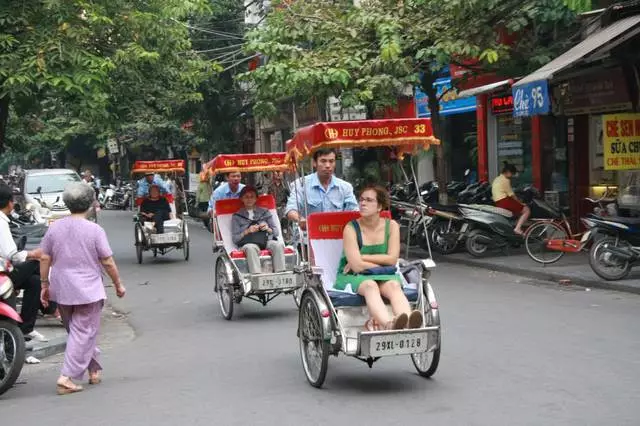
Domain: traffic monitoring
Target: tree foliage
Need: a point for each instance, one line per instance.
(70, 67)
(371, 52)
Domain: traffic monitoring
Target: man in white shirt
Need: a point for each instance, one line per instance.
(25, 275)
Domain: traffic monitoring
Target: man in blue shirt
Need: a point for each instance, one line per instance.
(148, 180)
(324, 192)
(230, 189)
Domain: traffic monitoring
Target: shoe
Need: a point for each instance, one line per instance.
(400, 322)
(68, 389)
(32, 360)
(415, 319)
(34, 335)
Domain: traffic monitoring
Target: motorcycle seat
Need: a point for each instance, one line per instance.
(632, 221)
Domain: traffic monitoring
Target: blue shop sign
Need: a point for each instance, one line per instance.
(531, 99)
(449, 102)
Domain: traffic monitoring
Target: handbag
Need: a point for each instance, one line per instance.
(259, 238)
(378, 270)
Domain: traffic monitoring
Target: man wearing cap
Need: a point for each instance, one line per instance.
(148, 180)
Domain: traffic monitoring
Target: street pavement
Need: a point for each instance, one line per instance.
(515, 352)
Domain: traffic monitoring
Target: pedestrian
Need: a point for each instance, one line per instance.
(205, 190)
(74, 253)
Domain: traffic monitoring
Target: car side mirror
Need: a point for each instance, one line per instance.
(39, 190)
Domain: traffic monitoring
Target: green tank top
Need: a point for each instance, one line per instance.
(342, 280)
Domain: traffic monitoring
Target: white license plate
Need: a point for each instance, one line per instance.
(165, 238)
(399, 344)
(272, 282)
(585, 237)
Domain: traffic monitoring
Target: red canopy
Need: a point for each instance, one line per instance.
(407, 134)
(248, 163)
(158, 166)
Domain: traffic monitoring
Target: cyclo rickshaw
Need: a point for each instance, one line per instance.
(331, 321)
(176, 231)
(233, 281)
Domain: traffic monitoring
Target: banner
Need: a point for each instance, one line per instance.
(621, 141)
(158, 166)
(248, 163)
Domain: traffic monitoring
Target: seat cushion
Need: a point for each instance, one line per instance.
(239, 254)
(342, 298)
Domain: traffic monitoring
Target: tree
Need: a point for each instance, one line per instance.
(75, 67)
(368, 54)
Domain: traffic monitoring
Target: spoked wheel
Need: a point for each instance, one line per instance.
(225, 290)
(185, 244)
(139, 243)
(443, 237)
(426, 363)
(606, 264)
(537, 238)
(12, 353)
(314, 350)
(475, 244)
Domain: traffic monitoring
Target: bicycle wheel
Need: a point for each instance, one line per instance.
(537, 238)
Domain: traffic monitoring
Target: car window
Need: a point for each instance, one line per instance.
(49, 183)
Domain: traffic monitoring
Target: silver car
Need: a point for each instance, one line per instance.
(43, 190)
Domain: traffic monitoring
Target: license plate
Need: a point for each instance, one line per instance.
(272, 282)
(585, 237)
(165, 238)
(399, 344)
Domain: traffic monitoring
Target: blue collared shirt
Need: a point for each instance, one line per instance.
(143, 186)
(223, 192)
(338, 197)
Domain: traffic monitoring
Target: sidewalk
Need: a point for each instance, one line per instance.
(572, 267)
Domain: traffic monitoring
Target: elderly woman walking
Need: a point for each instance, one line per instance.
(75, 251)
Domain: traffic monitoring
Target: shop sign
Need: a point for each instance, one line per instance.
(531, 99)
(599, 92)
(449, 102)
(621, 141)
(501, 104)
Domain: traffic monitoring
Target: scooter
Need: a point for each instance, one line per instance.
(12, 345)
(617, 250)
(488, 227)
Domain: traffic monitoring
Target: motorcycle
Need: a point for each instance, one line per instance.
(617, 250)
(487, 227)
(12, 344)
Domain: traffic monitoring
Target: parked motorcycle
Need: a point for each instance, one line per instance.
(488, 227)
(618, 250)
(12, 346)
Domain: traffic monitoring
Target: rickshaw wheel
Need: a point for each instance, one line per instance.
(139, 242)
(314, 350)
(426, 363)
(225, 290)
(185, 243)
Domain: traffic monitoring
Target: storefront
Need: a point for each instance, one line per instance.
(458, 127)
(592, 91)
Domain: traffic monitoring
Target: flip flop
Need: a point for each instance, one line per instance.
(66, 390)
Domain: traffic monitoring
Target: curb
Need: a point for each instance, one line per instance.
(42, 350)
(542, 275)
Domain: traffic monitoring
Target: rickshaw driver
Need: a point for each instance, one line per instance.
(324, 191)
(149, 179)
(229, 189)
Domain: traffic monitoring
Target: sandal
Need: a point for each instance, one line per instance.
(68, 388)
(415, 319)
(95, 379)
(400, 322)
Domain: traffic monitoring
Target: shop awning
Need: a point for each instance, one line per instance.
(485, 89)
(598, 42)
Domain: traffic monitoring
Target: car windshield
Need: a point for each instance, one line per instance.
(50, 183)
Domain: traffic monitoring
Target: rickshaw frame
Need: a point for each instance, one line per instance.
(144, 240)
(317, 309)
(230, 280)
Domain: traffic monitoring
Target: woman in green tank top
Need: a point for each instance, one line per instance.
(365, 249)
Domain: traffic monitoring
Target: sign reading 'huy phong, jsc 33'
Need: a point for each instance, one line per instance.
(621, 141)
